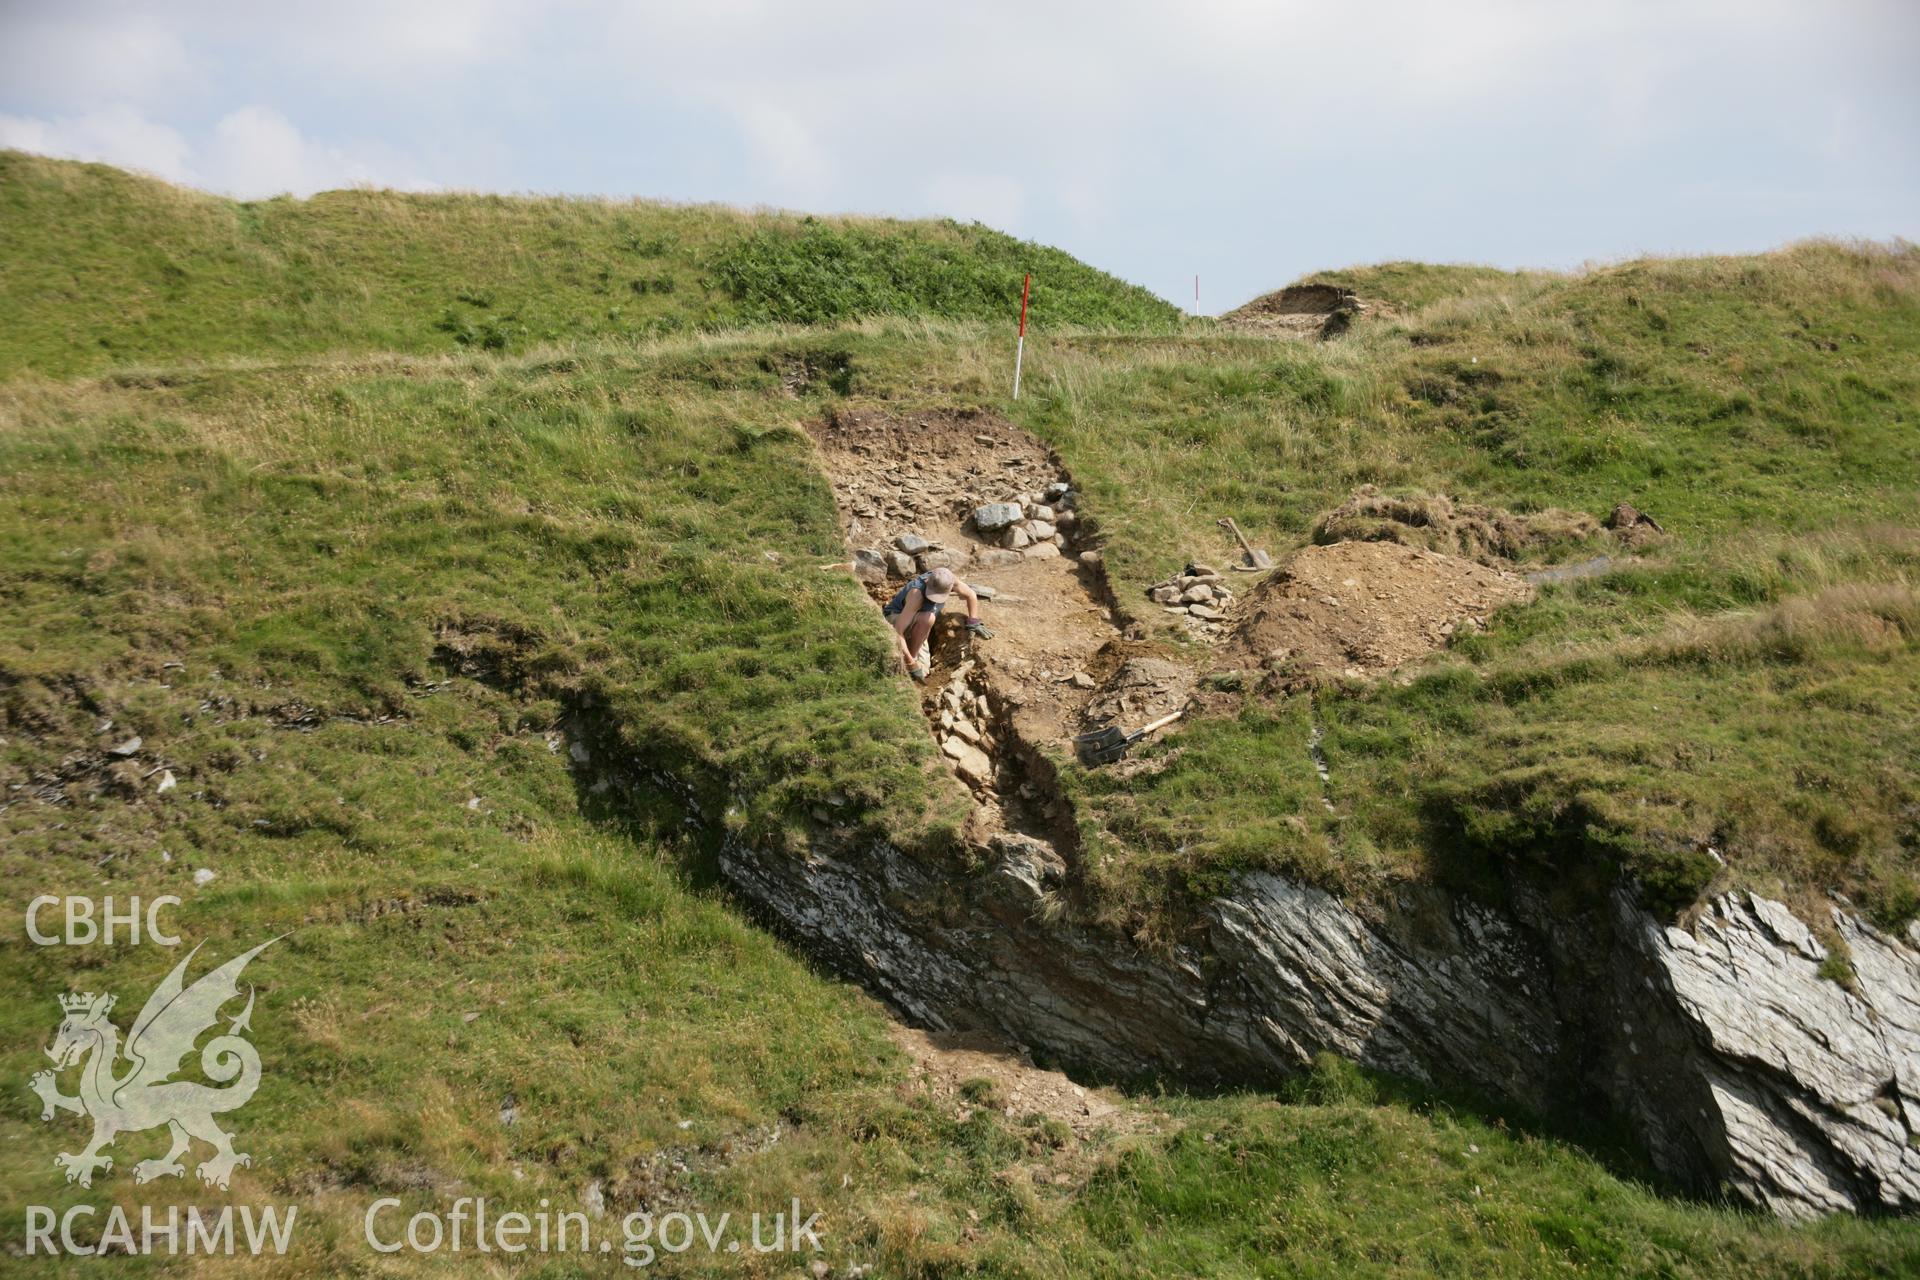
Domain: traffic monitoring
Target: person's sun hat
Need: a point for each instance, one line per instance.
(938, 586)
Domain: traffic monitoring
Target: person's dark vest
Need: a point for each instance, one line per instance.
(899, 601)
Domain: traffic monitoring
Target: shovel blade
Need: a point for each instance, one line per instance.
(1101, 746)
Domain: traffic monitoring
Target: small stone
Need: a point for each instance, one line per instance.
(167, 783)
(130, 747)
(1040, 511)
(1015, 538)
(965, 729)
(473, 802)
(1058, 489)
(594, 1199)
(1200, 593)
(1042, 551)
(993, 516)
(1092, 559)
(1163, 595)
(899, 564)
(869, 566)
(1204, 570)
(935, 560)
(1065, 519)
(1040, 530)
(577, 751)
(983, 591)
(1205, 613)
(911, 543)
(1081, 680)
(203, 876)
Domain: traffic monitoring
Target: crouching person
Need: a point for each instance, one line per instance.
(916, 606)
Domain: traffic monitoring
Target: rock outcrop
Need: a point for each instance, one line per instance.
(1801, 1093)
(1739, 1065)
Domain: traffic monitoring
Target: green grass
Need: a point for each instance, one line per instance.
(1746, 685)
(344, 598)
(99, 268)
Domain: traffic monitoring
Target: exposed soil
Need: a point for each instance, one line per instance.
(981, 1069)
(1302, 312)
(1057, 645)
(1059, 664)
(1358, 609)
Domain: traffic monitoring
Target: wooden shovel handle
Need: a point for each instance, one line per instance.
(1161, 723)
(1226, 522)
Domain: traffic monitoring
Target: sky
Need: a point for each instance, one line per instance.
(1247, 143)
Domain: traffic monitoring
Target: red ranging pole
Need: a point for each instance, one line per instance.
(1020, 347)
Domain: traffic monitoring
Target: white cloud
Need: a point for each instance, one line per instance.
(250, 153)
(116, 135)
(256, 151)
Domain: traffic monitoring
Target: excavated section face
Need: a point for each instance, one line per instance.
(910, 491)
(993, 704)
(1301, 311)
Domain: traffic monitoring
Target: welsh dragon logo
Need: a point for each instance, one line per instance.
(145, 1096)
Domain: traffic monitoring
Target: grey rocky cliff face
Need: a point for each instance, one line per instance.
(1738, 1064)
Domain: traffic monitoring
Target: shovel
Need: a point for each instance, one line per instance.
(1256, 558)
(1104, 746)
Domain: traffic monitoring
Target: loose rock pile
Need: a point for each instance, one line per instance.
(1028, 526)
(962, 727)
(909, 554)
(1198, 594)
(1036, 525)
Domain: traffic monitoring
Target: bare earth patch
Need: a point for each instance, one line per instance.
(980, 1069)
(1359, 609)
(1300, 312)
(908, 489)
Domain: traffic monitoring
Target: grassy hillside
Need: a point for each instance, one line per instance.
(1748, 685)
(278, 577)
(418, 635)
(100, 268)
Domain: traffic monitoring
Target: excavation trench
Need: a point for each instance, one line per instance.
(1062, 658)
(1607, 1011)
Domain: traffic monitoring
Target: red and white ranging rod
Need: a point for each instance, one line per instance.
(1020, 347)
